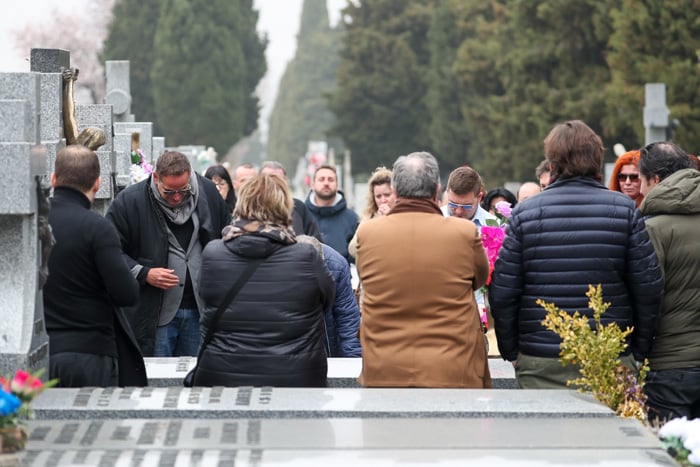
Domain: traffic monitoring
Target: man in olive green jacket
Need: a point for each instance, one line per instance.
(671, 186)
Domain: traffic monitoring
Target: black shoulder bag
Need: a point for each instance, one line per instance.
(242, 279)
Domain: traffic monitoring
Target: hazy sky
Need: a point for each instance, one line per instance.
(279, 19)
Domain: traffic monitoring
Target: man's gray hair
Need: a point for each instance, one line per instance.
(416, 175)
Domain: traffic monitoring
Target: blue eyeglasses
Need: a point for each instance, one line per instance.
(465, 207)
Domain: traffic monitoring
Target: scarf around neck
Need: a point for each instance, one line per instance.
(276, 232)
(178, 214)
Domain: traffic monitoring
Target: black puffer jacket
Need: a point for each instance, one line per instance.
(273, 332)
(574, 233)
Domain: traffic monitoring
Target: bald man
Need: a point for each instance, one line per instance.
(527, 190)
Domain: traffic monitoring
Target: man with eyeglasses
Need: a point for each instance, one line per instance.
(464, 195)
(164, 222)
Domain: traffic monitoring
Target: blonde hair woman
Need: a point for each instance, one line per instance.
(380, 199)
(272, 334)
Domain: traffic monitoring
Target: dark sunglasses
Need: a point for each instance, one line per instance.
(632, 177)
(185, 191)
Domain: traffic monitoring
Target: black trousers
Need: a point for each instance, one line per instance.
(75, 370)
(673, 393)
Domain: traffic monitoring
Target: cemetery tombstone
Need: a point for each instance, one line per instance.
(23, 339)
(655, 112)
(118, 89)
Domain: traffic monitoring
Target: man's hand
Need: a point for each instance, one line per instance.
(162, 278)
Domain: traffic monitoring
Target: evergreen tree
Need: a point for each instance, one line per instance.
(448, 128)
(130, 37)
(655, 42)
(380, 100)
(301, 111)
(546, 70)
(208, 60)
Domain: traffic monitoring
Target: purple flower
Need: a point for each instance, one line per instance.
(504, 208)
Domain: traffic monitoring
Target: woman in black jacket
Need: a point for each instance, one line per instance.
(273, 332)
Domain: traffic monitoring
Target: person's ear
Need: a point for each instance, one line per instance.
(96, 185)
(53, 179)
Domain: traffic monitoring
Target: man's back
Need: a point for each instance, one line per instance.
(420, 325)
(87, 276)
(575, 233)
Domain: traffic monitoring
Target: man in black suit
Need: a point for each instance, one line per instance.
(90, 341)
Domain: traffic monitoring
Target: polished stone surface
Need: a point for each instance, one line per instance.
(267, 402)
(350, 441)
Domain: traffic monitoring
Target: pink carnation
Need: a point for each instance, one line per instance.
(504, 208)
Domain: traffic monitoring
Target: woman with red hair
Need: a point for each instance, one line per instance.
(625, 176)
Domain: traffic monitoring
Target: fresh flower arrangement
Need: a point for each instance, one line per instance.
(492, 236)
(16, 395)
(140, 169)
(597, 353)
(681, 438)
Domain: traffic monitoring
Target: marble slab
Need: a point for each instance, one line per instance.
(267, 402)
(370, 441)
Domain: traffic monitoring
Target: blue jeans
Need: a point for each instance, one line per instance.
(180, 337)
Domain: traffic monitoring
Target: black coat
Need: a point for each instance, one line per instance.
(88, 282)
(273, 333)
(574, 233)
(143, 233)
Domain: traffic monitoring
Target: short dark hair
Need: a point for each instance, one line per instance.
(76, 167)
(663, 159)
(464, 180)
(574, 150)
(542, 168)
(328, 167)
(498, 193)
(172, 163)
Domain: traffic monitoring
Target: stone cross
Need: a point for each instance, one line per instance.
(118, 89)
(23, 339)
(655, 112)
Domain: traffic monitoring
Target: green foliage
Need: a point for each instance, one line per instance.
(130, 37)
(652, 42)
(596, 349)
(379, 103)
(447, 128)
(208, 60)
(482, 82)
(301, 111)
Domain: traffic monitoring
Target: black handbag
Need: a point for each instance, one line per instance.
(188, 382)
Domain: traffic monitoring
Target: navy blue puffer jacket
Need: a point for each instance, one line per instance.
(574, 233)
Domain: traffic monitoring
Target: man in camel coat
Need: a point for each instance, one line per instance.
(419, 270)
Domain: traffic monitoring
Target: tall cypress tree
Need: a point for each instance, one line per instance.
(130, 37)
(379, 103)
(301, 111)
(208, 60)
(448, 128)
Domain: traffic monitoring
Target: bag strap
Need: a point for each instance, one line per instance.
(235, 288)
